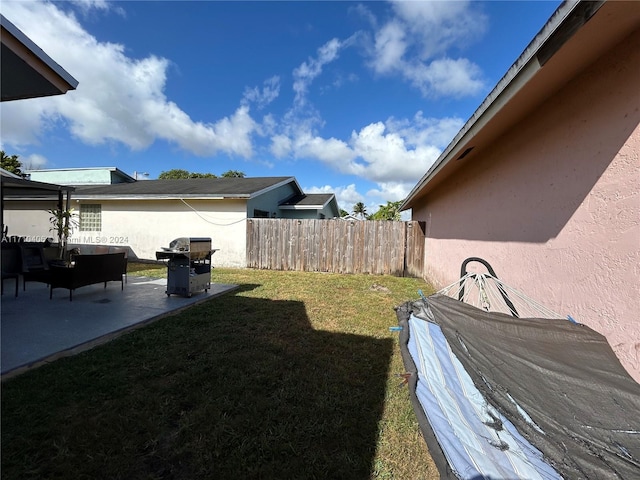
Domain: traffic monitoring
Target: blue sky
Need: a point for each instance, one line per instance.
(354, 98)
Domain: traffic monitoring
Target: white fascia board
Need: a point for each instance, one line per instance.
(301, 207)
(154, 197)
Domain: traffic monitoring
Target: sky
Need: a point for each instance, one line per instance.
(353, 98)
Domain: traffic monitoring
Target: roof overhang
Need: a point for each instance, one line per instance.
(146, 197)
(575, 36)
(302, 207)
(291, 180)
(27, 71)
(21, 189)
(293, 203)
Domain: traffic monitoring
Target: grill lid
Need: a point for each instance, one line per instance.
(194, 248)
(190, 244)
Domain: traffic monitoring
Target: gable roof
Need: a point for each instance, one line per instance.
(575, 36)
(205, 188)
(27, 71)
(310, 201)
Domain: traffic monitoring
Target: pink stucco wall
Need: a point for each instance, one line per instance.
(554, 205)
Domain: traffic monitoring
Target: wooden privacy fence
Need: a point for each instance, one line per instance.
(337, 246)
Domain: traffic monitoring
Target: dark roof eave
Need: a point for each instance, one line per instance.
(21, 48)
(162, 197)
(277, 185)
(523, 69)
(188, 188)
(19, 186)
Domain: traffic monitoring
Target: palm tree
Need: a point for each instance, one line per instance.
(360, 209)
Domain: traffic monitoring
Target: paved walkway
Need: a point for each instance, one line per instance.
(36, 330)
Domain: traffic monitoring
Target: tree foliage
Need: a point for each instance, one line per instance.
(10, 163)
(233, 174)
(180, 174)
(343, 213)
(390, 211)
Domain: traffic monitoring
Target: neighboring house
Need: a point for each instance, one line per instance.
(81, 176)
(147, 215)
(543, 181)
(310, 205)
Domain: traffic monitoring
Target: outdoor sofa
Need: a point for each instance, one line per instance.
(88, 270)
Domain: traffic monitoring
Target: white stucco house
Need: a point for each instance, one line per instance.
(543, 181)
(147, 215)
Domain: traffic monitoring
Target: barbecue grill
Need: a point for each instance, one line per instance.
(188, 265)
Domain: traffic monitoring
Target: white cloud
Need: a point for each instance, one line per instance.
(390, 192)
(425, 131)
(396, 151)
(330, 151)
(445, 77)
(23, 124)
(436, 26)
(269, 92)
(119, 99)
(33, 162)
(88, 5)
(280, 146)
(414, 42)
(309, 70)
(390, 47)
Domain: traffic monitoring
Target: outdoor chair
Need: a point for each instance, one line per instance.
(11, 266)
(35, 267)
(126, 256)
(101, 249)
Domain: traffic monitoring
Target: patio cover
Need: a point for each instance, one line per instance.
(17, 188)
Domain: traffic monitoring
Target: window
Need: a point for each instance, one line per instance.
(260, 213)
(90, 217)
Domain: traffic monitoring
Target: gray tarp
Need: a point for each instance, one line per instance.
(563, 375)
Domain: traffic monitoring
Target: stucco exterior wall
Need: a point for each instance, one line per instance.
(269, 201)
(146, 226)
(305, 213)
(29, 219)
(554, 205)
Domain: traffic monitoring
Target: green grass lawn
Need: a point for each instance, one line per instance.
(292, 376)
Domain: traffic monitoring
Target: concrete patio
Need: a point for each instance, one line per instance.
(36, 330)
